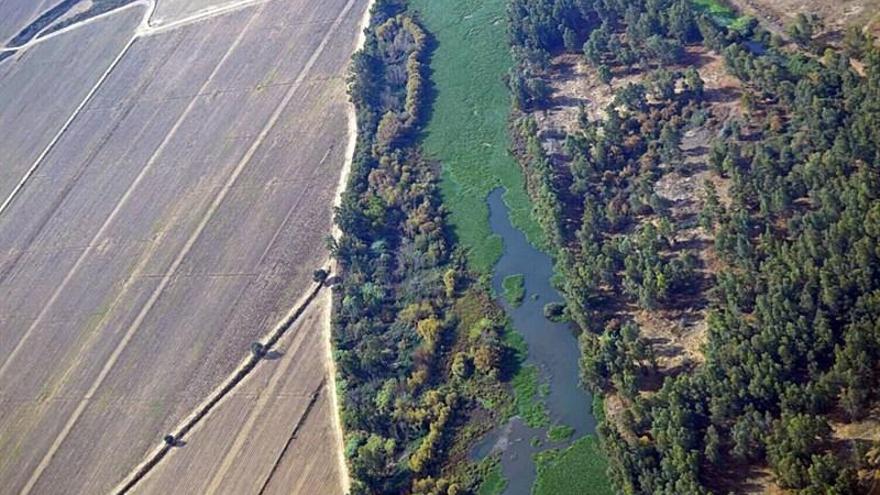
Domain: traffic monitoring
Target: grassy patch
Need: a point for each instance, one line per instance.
(467, 131)
(555, 312)
(517, 343)
(494, 482)
(514, 289)
(716, 8)
(577, 470)
(722, 13)
(528, 392)
(599, 408)
(528, 399)
(559, 433)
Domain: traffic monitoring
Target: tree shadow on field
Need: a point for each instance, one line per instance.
(430, 90)
(273, 355)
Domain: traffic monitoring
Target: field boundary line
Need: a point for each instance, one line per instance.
(144, 29)
(85, 22)
(241, 437)
(147, 27)
(243, 434)
(12, 355)
(305, 416)
(87, 162)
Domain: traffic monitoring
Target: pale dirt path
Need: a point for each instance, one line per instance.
(36, 40)
(148, 27)
(336, 233)
(244, 433)
(234, 380)
(94, 243)
(144, 30)
(82, 104)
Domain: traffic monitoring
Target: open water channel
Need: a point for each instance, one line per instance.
(553, 350)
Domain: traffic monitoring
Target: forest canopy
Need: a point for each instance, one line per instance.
(793, 293)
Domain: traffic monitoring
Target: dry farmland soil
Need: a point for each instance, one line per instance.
(167, 189)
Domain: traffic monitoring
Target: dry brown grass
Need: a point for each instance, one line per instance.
(863, 434)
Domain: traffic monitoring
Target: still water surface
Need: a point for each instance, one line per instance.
(553, 349)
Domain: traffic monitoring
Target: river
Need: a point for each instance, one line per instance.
(552, 349)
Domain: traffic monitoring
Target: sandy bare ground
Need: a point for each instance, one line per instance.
(677, 333)
(177, 218)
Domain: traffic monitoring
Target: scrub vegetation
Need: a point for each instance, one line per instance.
(559, 433)
(493, 483)
(529, 398)
(514, 289)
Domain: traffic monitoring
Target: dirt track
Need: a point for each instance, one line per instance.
(175, 220)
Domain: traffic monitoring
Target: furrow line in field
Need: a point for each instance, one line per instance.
(44, 463)
(145, 29)
(69, 186)
(315, 395)
(123, 201)
(244, 433)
